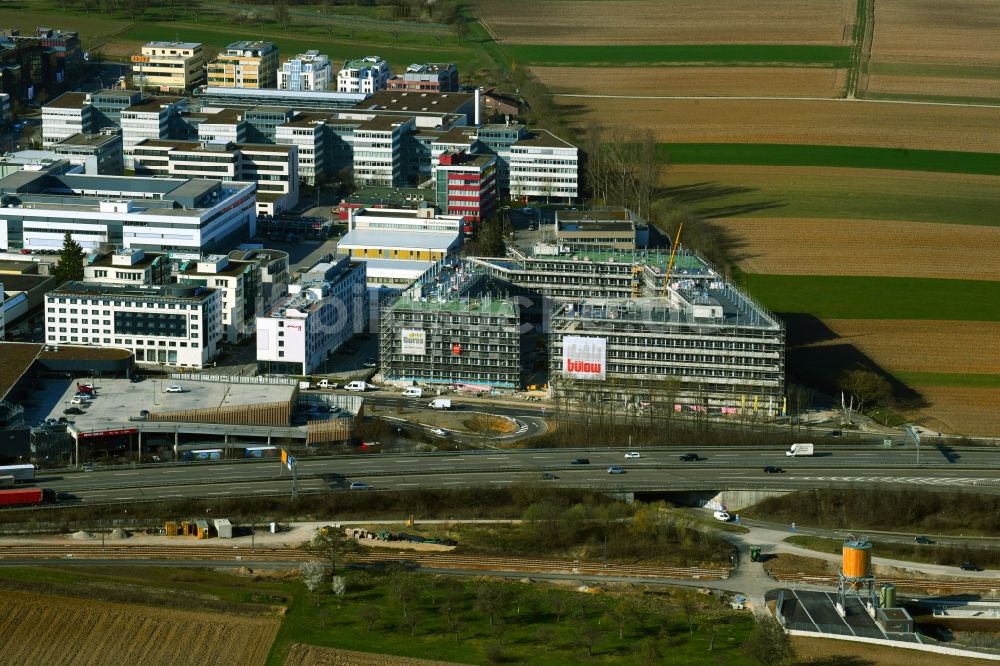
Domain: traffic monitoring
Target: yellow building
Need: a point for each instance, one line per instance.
(402, 245)
(169, 66)
(245, 65)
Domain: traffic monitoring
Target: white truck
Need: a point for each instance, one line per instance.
(413, 392)
(326, 384)
(800, 450)
(304, 386)
(440, 403)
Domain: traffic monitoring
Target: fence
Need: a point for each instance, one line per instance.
(235, 379)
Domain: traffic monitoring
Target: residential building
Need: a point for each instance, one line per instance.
(104, 149)
(151, 118)
(364, 75)
(128, 266)
(273, 167)
(377, 151)
(169, 325)
(306, 71)
(158, 214)
(428, 77)
(602, 228)
(320, 314)
(543, 166)
(170, 67)
(239, 282)
(246, 64)
(466, 185)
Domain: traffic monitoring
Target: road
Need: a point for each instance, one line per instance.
(656, 470)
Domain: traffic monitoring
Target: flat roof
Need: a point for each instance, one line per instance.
(171, 291)
(600, 214)
(233, 268)
(106, 260)
(543, 138)
(88, 140)
(70, 100)
(383, 123)
(406, 268)
(174, 45)
(495, 306)
(374, 194)
(412, 100)
(153, 103)
(225, 117)
(15, 359)
(290, 95)
(252, 45)
(391, 238)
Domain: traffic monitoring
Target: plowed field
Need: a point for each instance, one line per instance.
(834, 122)
(967, 411)
(58, 630)
(922, 345)
(934, 85)
(790, 246)
(963, 32)
(617, 22)
(725, 81)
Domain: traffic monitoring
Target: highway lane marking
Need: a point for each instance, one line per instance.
(406, 484)
(451, 483)
(501, 482)
(543, 456)
(224, 492)
(127, 473)
(174, 471)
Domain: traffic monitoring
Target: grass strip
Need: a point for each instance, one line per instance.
(661, 54)
(952, 379)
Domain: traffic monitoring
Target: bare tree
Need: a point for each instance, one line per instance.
(491, 599)
(332, 545)
(867, 387)
(369, 614)
(769, 644)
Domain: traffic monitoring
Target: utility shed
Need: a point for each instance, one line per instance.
(201, 527)
(224, 528)
(895, 620)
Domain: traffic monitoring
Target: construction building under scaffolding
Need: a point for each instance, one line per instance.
(616, 329)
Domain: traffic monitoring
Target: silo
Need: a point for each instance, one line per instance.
(857, 562)
(887, 595)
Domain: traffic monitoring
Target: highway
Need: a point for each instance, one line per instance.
(656, 470)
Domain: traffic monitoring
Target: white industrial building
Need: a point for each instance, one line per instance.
(65, 116)
(321, 312)
(306, 71)
(544, 166)
(168, 325)
(364, 75)
(158, 214)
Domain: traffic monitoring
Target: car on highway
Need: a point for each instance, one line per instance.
(633, 454)
(773, 469)
(549, 476)
(88, 467)
(359, 485)
(73, 410)
(722, 515)
(440, 432)
(580, 461)
(688, 457)
(615, 469)
(922, 540)
(174, 388)
(969, 566)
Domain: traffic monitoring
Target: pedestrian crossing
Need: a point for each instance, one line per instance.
(914, 480)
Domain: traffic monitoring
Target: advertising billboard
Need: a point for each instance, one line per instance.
(584, 357)
(414, 341)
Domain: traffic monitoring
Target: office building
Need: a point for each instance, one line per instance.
(321, 312)
(66, 115)
(238, 282)
(170, 325)
(101, 154)
(364, 75)
(377, 151)
(247, 64)
(127, 266)
(543, 166)
(46, 62)
(170, 67)
(306, 71)
(466, 185)
(273, 272)
(601, 228)
(152, 118)
(428, 77)
(418, 235)
(157, 214)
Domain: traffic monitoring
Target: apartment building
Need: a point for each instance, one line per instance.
(306, 71)
(170, 67)
(274, 168)
(377, 151)
(324, 310)
(427, 77)
(246, 64)
(167, 325)
(364, 75)
(157, 214)
(238, 282)
(103, 150)
(127, 266)
(466, 185)
(151, 118)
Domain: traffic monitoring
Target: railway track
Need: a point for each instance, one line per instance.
(416, 559)
(990, 585)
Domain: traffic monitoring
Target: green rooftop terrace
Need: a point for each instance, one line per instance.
(490, 306)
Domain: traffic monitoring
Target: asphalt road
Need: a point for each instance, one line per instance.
(655, 470)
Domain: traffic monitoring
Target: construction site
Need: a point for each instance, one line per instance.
(642, 329)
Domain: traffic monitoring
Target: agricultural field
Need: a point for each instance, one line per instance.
(39, 629)
(313, 655)
(623, 22)
(822, 122)
(696, 81)
(811, 246)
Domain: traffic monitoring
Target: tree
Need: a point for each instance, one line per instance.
(689, 605)
(588, 636)
(491, 599)
(70, 261)
(768, 643)
(281, 15)
(331, 544)
(622, 615)
(369, 614)
(404, 589)
(338, 585)
(312, 574)
(867, 387)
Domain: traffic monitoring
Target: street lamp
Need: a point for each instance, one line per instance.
(154, 391)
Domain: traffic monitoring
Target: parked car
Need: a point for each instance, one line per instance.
(580, 461)
(72, 410)
(689, 457)
(772, 469)
(922, 540)
(359, 485)
(969, 566)
(722, 515)
(80, 400)
(614, 469)
(633, 454)
(174, 388)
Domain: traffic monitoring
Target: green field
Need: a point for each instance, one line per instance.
(848, 297)
(930, 69)
(776, 154)
(687, 54)
(951, 379)
(882, 195)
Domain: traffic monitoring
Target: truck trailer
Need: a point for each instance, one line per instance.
(21, 473)
(25, 497)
